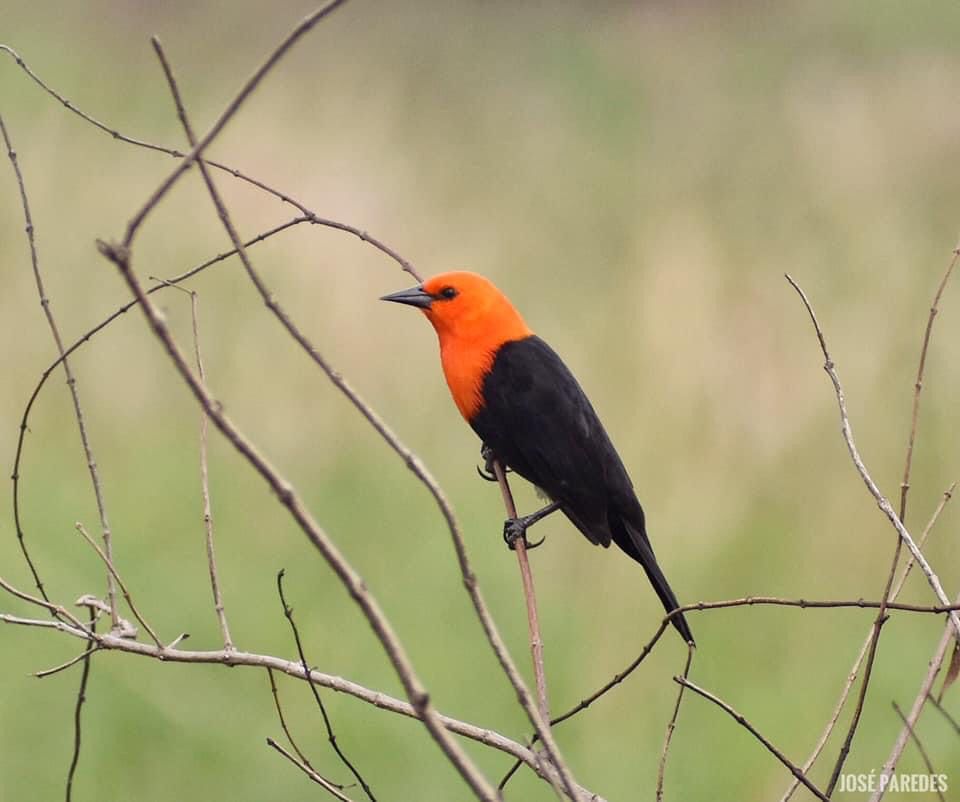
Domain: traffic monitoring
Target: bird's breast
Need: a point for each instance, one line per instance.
(465, 369)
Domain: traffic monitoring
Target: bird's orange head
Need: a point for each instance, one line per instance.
(473, 319)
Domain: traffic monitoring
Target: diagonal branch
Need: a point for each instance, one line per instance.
(881, 500)
(123, 587)
(286, 321)
(794, 770)
(923, 752)
(289, 498)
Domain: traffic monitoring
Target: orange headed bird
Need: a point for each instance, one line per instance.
(532, 416)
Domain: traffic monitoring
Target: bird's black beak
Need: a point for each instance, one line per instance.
(415, 296)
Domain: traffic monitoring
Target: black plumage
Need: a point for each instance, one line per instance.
(537, 420)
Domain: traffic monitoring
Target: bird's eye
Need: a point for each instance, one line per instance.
(448, 293)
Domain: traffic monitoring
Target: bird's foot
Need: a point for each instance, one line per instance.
(486, 472)
(515, 529)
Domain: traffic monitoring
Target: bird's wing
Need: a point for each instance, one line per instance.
(539, 421)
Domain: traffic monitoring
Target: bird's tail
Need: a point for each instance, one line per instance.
(636, 544)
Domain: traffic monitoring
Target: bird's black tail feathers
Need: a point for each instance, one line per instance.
(635, 543)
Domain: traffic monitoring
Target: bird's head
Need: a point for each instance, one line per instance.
(466, 308)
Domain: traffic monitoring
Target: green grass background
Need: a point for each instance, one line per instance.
(637, 177)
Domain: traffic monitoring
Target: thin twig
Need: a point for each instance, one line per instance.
(308, 215)
(289, 498)
(71, 384)
(218, 605)
(923, 752)
(747, 601)
(331, 736)
(946, 713)
(916, 709)
(307, 769)
(16, 474)
(205, 489)
(78, 709)
(881, 500)
(661, 768)
(123, 588)
(753, 731)
(852, 674)
(542, 726)
(918, 384)
(232, 108)
(529, 594)
(878, 623)
(49, 672)
(286, 731)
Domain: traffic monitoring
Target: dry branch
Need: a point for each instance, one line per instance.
(74, 393)
(881, 500)
(794, 770)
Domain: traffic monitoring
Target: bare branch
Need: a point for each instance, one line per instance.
(915, 710)
(530, 594)
(881, 500)
(71, 383)
(126, 593)
(308, 215)
(294, 669)
(946, 714)
(309, 771)
(331, 736)
(541, 723)
(918, 384)
(796, 772)
(232, 108)
(671, 726)
(852, 674)
(78, 709)
(49, 672)
(920, 749)
(304, 763)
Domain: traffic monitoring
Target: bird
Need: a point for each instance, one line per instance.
(533, 417)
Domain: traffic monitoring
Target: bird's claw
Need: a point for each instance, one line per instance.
(515, 529)
(487, 476)
(487, 472)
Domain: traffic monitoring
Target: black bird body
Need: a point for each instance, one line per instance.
(537, 420)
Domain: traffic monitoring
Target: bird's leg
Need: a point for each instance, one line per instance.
(515, 528)
(488, 457)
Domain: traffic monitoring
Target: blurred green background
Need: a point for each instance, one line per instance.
(637, 177)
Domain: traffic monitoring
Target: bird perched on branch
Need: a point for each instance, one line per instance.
(533, 417)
